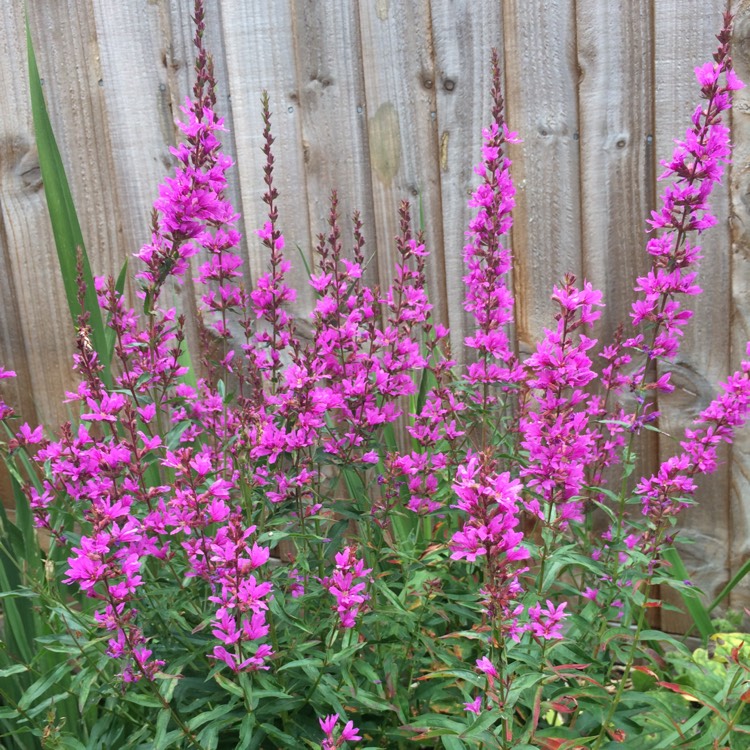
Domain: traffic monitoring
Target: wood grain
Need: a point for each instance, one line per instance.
(464, 34)
(36, 328)
(686, 32)
(739, 184)
(615, 95)
(399, 74)
(541, 82)
(260, 56)
(331, 101)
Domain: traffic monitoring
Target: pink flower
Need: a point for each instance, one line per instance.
(590, 593)
(547, 623)
(486, 259)
(28, 436)
(349, 732)
(348, 586)
(486, 666)
(328, 724)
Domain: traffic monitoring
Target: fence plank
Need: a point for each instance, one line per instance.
(23, 225)
(464, 34)
(541, 81)
(260, 56)
(617, 165)
(334, 122)
(138, 109)
(685, 30)
(739, 497)
(399, 74)
(616, 146)
(38, 322)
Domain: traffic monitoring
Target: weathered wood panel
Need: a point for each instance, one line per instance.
(332, 104)
(739, 505)
(462, 34)
(686, 32)
(540, 57)
(39, 334)
(615, 94)
(138, 107)
(260, 53)
(399, 70)
(384, 100)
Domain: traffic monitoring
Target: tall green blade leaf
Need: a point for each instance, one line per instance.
(19, 623)
(736, 578)
(63, 217)
(692, 601)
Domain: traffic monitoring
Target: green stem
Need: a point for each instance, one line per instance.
(614, 702)
(737, 712)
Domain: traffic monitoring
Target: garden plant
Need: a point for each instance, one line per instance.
(361, 538)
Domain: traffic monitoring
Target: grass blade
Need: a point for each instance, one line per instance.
(736, 578)
(695, 607)
(63, 216)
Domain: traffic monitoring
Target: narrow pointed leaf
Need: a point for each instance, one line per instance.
(692, 601)
(63, 216)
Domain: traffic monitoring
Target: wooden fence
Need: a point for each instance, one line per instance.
(384, 100)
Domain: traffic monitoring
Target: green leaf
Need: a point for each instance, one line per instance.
(162, 724)
(435, 721)
(32, 695)
(15, 669)
(452, 743)
(82, 685)
(389, 437)
(21, 624)
(427, 382)
(246, 732)
(63, 216)
(736, 578)
(66, 742)
(375, 703)
(148, 701)
(305, 262)
(25, 523)
(214, 713)
(483, 722)
(228, 685)
(330, 694)
(278, 735)
(354, 485)
(560, 559)
(698, 612)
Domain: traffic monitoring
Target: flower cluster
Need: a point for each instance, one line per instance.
(144, 497)
(241, 482)
(697, 166)
(487, 261)
(490, 501)
(347, 734)
(555, 425)
(667, 492)
(242, 599)
(348, 585)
